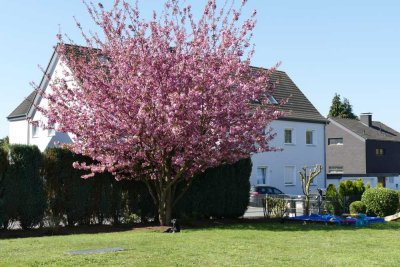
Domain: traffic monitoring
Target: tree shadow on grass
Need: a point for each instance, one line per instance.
(278, 225)
(83, 229)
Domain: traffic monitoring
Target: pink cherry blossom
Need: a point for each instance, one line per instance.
(160, 100)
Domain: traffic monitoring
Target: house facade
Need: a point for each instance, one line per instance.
(300, 134)
(362, 148)
(25, 121)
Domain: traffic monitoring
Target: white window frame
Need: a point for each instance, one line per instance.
(335, 171)
(313, 143)
(272, 100)
(51, 131)
(293, 183)
(259, 179)
(35, 129)
(293, 135)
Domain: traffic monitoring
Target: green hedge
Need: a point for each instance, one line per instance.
(34, 181)
(221, 192)
(398, 194)
(358, 207)
(381, 201)
(73, 200)
(3, 168)
(24, 197)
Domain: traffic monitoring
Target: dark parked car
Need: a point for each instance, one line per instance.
(258, 192)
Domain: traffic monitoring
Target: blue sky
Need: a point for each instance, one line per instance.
(348, 47)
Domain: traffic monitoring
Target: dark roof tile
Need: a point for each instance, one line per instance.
(23, 108)
(377, 131)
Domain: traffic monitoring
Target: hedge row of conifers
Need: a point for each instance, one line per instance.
(43, 189)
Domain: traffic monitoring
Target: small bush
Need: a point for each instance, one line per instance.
(276, 207)
(357, 207)
(381, 201)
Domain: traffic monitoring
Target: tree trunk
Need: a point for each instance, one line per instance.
(165, 207)
(307, 205)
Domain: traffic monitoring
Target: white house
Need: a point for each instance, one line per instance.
(301, 136)
(300, 133)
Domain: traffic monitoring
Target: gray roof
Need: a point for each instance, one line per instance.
(23, 108)
(298, 106)
(377, 131)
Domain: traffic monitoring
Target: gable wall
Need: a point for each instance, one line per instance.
(44, 139)
(350, 155)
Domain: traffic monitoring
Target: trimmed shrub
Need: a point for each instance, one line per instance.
(381, 201)
(332, 206)
(398, 194)
(357, 207)
(276, 207)
(221, 192)
(350, 191)
(24, 195)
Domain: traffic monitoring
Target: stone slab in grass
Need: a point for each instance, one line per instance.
(96, 250)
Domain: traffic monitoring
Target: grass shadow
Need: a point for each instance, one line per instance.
(278, 225)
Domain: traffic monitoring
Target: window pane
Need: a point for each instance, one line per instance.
(272, 100)
(288, 136)
(289, 175)
(309, 137)
(35, 129)
(51, 131)
(335, 141)
(262, 175)
(380, 151)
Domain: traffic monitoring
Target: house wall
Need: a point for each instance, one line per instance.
(350, 155)
(298, 155)
(387, 163)
(18, 132)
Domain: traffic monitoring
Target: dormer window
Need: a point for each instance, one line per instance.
(272, 100)
(35, 129)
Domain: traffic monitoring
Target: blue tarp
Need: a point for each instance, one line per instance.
(360, 220)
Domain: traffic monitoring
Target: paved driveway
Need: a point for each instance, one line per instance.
(253, 212)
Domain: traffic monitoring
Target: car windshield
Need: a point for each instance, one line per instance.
(277, 191)
(264, 190)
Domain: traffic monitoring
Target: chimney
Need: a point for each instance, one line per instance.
(366, 118)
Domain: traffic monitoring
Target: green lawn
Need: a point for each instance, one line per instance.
(258, 244)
